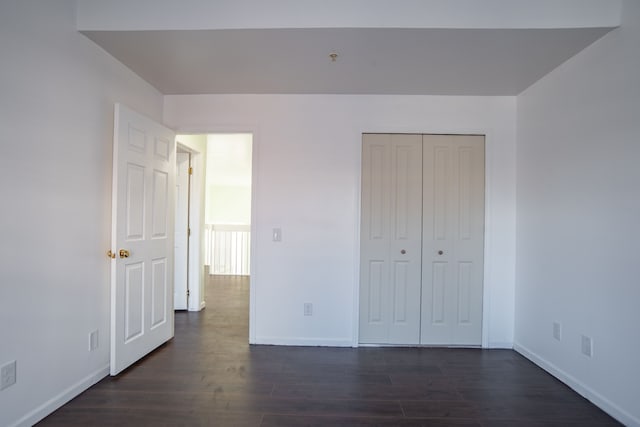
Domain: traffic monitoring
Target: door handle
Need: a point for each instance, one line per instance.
(440, 252)
(403, 252)
(124, 253)
(110, 254)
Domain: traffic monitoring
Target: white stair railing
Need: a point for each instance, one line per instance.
(227, 249)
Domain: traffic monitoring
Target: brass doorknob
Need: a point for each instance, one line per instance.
(110, 254)
(124, 253)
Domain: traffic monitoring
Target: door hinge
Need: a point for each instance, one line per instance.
(188, 293)
(190, 170)
(189, 232)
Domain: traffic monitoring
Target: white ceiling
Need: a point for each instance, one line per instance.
(437, 47)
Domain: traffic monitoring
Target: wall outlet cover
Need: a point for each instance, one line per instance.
(308, 309)
(8, 374)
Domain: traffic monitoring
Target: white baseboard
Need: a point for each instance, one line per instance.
(309, 342)
(199, 307)
(500, 345)
(588, 393)
(332, 342)
(57, 401)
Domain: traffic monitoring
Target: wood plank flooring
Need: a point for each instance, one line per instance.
(209, 376)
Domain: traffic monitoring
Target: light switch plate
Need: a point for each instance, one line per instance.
(557, 331)
(587, 346)
(93, 340)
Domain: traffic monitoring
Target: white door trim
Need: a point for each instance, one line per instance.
(181, 253)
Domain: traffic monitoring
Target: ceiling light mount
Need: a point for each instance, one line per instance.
(333, 56)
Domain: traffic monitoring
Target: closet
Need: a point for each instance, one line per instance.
(422, 239)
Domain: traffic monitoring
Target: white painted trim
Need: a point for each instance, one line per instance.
(57, 401)
(355, 342)
(486, 291)
(253, 298)
(585, 391)
(500, 345)
(304, 342)
(196, 223)
(195, 265)
(486, 281)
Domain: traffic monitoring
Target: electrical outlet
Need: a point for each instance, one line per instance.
(557, 331)
(308, 309)
(7, 375)
(93, 340)
(587, 346)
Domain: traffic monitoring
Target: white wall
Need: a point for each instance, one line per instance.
(578, 226)
(56, 128)
(307, 172)
(228, 199)
(228, 205)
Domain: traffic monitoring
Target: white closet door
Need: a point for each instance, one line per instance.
(453, 240)
(391, 229)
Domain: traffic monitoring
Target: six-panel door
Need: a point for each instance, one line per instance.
(422, 239)
(142, 236)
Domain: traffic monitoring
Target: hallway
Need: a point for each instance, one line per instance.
(209, 376)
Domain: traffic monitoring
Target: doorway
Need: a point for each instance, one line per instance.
(228, 204)
(422, 239)
(220, 205)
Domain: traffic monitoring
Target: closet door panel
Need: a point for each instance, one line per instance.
(391, 227)
(453, 240)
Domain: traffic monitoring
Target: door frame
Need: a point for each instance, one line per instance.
(254, 131)
(486, 288)
(193, 279)
(195, 273)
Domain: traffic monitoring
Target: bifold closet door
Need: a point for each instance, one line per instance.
(391, 239)
(453, 240)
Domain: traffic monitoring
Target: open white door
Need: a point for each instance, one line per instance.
(142, 236)
(181, 254)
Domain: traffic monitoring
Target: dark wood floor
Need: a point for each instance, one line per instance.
(209, 376)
